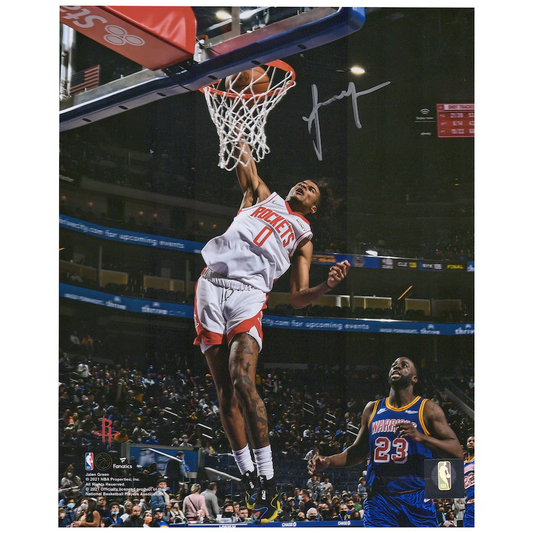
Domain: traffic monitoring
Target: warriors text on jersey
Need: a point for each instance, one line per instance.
(258, 246)
(396, 463)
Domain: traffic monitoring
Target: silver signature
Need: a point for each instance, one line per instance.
(313, 118)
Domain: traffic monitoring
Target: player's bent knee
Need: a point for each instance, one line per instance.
(244, 387)
(225, 396)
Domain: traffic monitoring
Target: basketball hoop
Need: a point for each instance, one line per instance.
(241, 115)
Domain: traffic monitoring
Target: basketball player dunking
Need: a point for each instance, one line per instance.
(397, 433)
(268, 234)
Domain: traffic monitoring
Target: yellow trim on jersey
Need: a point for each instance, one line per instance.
(421, 416)
(392, 408)
(376, 403)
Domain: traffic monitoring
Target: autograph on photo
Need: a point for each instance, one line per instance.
(314, 119)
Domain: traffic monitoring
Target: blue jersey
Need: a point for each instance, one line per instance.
(396, 463)
(468, 519)
(469, 479)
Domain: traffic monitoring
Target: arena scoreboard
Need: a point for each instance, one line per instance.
(455, 120)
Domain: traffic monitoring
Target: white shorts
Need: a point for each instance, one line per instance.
(223, 308)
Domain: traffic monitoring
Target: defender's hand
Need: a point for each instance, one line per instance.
(317, 464)
(408, 430)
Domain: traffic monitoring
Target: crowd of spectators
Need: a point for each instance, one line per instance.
(307, 417)
(300, 505)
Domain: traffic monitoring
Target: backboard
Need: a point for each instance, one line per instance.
(224, 41)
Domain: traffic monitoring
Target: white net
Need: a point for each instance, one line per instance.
(240, 116)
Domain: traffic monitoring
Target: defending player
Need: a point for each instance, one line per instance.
(468, 519)
(397, 433)
(267, 235)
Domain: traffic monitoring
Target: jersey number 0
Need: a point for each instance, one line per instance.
(262, 236)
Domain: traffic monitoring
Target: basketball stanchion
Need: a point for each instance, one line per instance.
(239, 107)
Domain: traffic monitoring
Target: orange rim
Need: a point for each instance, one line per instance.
(276, 64)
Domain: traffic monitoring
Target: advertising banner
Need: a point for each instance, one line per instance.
(182, 245)
(129, 237)
(302, 323)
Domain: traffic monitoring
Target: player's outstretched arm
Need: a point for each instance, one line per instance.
(253, 187)
(351, 456)
(301, 294)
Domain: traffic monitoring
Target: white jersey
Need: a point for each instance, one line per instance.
(258, 246)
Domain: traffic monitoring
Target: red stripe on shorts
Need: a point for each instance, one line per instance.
(246, 325)
(209, 338)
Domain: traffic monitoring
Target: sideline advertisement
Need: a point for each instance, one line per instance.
(128, 237)
(302, 323)
(182, 245)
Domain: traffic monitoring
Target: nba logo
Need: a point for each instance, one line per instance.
(89, 461)
(445, 475)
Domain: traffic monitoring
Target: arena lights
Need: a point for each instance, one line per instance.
(224, 15)
(357, 70)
